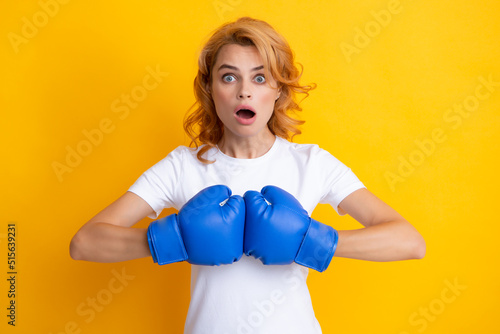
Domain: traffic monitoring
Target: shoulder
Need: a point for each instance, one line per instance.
(183, 152)
(173, 159)
(184, 156)
(310, 151)
(296, 147)
(175, 155)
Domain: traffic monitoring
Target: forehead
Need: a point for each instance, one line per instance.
(238, 55)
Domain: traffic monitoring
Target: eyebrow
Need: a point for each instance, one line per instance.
(234, 68)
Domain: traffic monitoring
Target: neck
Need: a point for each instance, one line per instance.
(246, 147)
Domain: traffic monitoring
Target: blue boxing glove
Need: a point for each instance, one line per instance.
(279, 231)
(208, 230)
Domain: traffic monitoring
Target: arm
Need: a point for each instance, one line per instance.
(109, 237)
(386, 235)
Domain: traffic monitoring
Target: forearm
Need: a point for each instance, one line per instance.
(103, 242)
(389, 241)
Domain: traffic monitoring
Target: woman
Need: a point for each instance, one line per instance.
(243, 277)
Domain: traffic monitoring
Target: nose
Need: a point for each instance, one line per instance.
(244, 91)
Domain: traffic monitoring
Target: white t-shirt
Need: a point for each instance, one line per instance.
(248, 297)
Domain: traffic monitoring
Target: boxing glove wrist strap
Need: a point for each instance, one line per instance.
(165, 242)
(318, 246)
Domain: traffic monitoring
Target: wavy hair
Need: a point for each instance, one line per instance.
(202, 124)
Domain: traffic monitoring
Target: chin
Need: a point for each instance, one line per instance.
(245, 131)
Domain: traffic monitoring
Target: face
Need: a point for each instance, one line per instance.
(243, 96)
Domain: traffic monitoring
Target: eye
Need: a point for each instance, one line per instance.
(260, 78)
(226, 76)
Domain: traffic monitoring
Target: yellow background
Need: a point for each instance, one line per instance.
(371, 108)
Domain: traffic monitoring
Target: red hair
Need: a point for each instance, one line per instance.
(203, 125)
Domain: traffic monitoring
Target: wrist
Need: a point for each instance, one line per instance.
(165, 242)
(318, 246)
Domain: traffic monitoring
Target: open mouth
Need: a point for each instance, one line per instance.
(245, 113)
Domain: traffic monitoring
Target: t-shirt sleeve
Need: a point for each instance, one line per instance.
(340, 181)
(157, 185)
